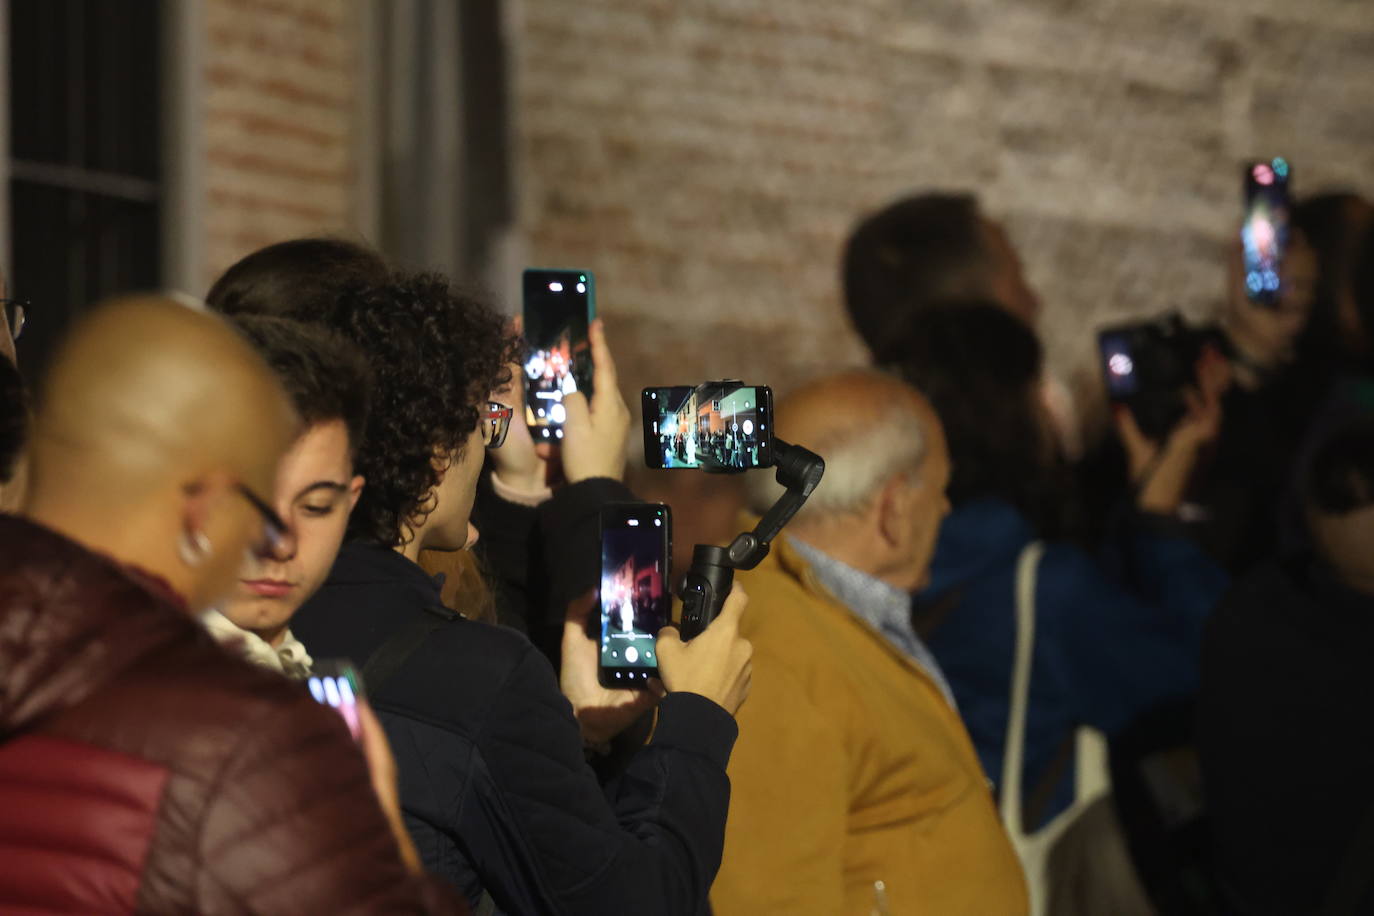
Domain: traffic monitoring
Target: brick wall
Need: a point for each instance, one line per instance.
(278, 119)
(707, 158)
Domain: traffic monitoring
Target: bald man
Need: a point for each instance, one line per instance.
(142, 768)
(856, 788)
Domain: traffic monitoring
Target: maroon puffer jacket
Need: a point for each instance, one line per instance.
(143, 769)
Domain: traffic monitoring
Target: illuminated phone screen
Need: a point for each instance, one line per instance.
(635, 547)
(719, 426)
(1264, 234)
(558, 308)
(337, 685)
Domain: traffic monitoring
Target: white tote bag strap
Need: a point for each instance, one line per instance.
(1013, 752)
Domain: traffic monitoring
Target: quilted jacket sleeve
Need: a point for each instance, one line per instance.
(293, 826)
(653, 848)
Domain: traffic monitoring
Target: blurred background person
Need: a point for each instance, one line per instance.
(328, 382)
(1113, 636)
(852, 759)
(181, 771)
(1286, 747)
(934, 247)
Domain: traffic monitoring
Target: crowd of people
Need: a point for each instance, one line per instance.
(985, 670)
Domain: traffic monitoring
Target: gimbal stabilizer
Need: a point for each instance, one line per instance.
(713, 568)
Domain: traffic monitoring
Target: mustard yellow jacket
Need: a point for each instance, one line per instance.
(851, 768)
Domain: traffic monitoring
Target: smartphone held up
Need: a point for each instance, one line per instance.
(716, 426)
(636, 548)
(1264, 232)
(558, 308)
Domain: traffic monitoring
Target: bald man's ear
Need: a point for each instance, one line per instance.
(896, 504)
(203, 498)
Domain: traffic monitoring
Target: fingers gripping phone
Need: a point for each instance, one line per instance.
(559, 306)
(636, 548)
(716, 426)
(336, 683)
(1264, 233)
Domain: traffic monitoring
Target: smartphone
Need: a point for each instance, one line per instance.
(1264, 232)
(336, 683)
(559, 306)
(717, 426)
(1117, 349)
(636, 549)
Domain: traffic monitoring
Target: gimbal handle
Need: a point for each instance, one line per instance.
(712, 573)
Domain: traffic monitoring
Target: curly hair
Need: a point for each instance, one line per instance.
(436, 353)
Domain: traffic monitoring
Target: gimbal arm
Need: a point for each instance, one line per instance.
(713, 568)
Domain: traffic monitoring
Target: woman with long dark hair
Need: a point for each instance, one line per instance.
(1111, 638)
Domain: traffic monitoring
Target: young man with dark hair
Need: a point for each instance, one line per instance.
(328, 382)
(494, 783)
(1285, 731)
(272, 281)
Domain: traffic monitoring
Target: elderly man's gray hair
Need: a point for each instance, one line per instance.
(862, 452)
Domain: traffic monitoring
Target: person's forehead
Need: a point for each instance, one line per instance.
(323, 445)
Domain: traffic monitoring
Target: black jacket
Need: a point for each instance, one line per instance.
(1286, 737)
(494, 785)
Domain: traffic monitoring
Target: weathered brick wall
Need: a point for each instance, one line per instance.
(279, 116)
(707, 158)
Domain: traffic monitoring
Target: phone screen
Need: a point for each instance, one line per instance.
(718, 426)
(1264, 234)
(337, 684)
(636, 543)
(558, 308)
(1118, 364)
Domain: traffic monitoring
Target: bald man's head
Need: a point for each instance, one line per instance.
(154, 413)
(884, 453)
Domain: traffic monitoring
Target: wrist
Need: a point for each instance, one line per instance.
(524, 490)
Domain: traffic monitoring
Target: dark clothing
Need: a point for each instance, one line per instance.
(560, 539)
(1286, 735)
(1109, 643)
(494, 784)
(143, 768)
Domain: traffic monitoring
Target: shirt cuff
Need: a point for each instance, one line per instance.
(690, 722)
(519, 496)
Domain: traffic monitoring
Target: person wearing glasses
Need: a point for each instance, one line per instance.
(142, 768)
(495, 786)
(328, 381)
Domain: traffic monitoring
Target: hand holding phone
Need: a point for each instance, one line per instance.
(597, 428)
(718, 664)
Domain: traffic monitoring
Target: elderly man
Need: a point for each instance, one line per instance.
(856, 787)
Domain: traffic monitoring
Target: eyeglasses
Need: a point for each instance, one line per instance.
(14, 315)
(495, 424)
(277, 540)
